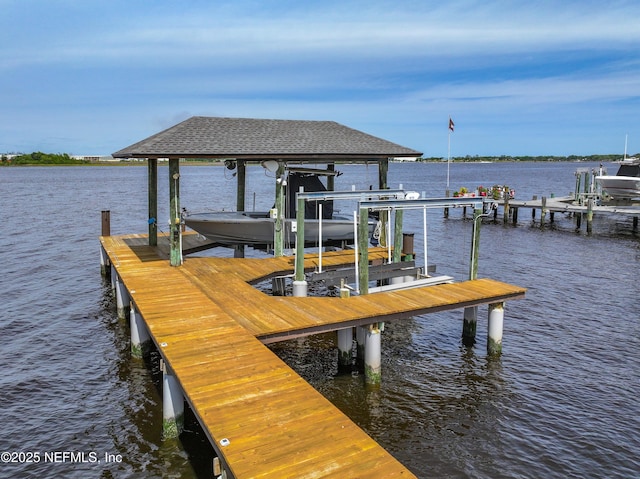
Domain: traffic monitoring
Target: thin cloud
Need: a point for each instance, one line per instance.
(387, 67)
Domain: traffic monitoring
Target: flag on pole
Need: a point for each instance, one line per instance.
(451, 125)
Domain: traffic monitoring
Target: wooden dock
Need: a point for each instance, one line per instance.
(585, 208)
(210, 325)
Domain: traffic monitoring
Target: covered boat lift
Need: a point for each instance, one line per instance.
(241, 141)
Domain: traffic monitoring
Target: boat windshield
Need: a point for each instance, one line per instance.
(629, 170)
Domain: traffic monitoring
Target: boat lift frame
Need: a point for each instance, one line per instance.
(376, 200)
(302, 197)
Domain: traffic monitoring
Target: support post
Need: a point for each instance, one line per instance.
(278, 241)
(105, 264)
(114, 277)
(122, 298)
(361, 333)
(470, 314)
(515, 216)
(398, 237)
(407, 247)
(140, 339)
(345, 345)
(363, 251)
(105, 231)
(543, 211)
(299, 283)
(383, 171)
(331, 179)
(372, 356)
(446, 210)
(505, 208)
(475, 244)
(345, 339)
(469, 326)
(496, 319)
(172, 404)
(106, 223)
(152, 168)
(590, 215)
(175, 231)
(241, 177)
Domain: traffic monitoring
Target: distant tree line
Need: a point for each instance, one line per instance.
(40, 158)
(469, 158)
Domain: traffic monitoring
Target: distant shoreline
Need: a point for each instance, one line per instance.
(479, 160)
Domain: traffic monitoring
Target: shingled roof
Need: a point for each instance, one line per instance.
(258, 139)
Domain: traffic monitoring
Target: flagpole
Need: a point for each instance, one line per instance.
(446, 210)
(448, 155)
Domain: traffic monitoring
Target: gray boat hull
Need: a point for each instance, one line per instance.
(250, 227)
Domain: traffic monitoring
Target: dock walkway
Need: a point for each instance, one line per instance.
(263, 419)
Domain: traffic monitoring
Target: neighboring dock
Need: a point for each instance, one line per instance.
(262, 419)
(587, 201)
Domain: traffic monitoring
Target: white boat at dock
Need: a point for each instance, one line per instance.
(625, 183)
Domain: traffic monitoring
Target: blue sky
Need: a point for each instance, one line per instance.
(517, 77)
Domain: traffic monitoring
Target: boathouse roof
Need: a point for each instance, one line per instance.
(259, 139)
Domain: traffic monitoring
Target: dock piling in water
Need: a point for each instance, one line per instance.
(345, 345)
(105, 268)
(372, 355)
(494, 333)
(122, 298)
(140, 339)
(172, 404)
(469, 326)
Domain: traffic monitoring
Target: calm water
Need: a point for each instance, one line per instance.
(562, 400)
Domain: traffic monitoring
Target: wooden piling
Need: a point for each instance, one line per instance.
(241, 178)
(505, 211)
(152, 177)
(446, 210)
(590, 215)
(278, 246)
(106, 223)
(363, 251)
(105, 266)
(175, 233)
(398, 237)
(469, 318)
